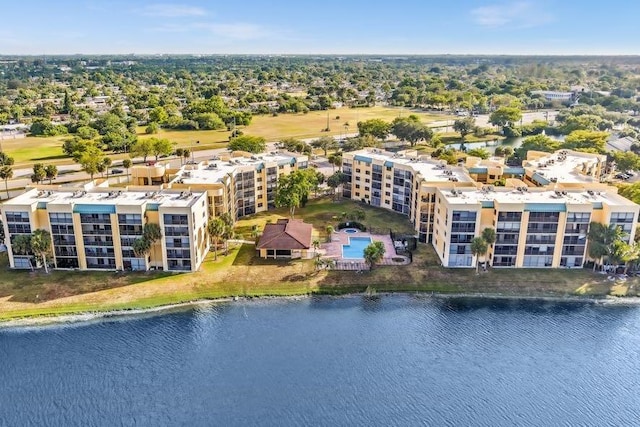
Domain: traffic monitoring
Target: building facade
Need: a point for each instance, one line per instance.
(535, 227)
(96, 229)
(239, 184)
(541, 215)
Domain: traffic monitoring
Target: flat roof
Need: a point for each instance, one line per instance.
(565, 166)
(214, 171)
(432, 170)
(164, 198)
(531, 195)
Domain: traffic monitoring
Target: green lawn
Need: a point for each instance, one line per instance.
(324, 211)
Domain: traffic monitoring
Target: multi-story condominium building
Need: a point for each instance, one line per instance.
(542, 226)
(239, 184)
(403, 182)
(96, 229)
(535, 227)
(564, 167)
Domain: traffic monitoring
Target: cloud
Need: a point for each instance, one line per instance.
(171, 10)
(520, 14)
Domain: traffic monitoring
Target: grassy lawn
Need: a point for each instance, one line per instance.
(323, 211)
(31, 150)
(311, 125)
(454, 137)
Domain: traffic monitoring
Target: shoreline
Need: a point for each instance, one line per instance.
(85, 317)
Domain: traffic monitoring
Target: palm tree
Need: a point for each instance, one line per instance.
(479, 247)
(489, 236)
(179, 154)
(216, 228)
(141, 247)
(126, 163)
(21, 245)
(602, 239)
(329, 229)
(41, 246)
(6, 173)
(316, 245)
(107, 163)
(374, 253)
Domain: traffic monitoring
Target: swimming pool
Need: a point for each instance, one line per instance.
(350, 230)
(355, 248)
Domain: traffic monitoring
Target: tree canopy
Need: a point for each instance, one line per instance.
(248, 143)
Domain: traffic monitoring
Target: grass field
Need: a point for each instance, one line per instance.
(47, 150)
(241, 273)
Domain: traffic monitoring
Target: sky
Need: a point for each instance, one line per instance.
(553, 27)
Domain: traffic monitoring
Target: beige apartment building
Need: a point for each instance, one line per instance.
(535, 227)
(95, 229)
(541, 215)
(239, 183)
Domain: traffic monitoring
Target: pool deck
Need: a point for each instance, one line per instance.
(333, 249)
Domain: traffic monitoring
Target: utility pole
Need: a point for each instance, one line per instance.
(328, 129)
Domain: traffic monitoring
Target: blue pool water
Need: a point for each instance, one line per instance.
(355, 248)
(350, 230)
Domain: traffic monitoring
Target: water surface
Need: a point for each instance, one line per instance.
(395, 360)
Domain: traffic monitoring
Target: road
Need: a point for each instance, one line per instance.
(73, 173)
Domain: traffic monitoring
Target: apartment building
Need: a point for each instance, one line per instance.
(95, 229)
(239, 183)
(404, 182)
(564, 167)
(535, 227)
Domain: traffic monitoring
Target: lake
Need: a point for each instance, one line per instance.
(391, 360)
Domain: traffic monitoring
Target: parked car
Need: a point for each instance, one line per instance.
(116, 171)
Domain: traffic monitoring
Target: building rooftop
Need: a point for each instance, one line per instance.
(432, 170)
(506, 195)
(286, 234)
(165, 198)
(215, 170)
(564, 166)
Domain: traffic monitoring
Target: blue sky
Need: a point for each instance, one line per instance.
(321, 27)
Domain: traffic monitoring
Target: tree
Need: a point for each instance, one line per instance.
(51, 172)
(479, 246)
(179, 154)
(479, 152)
(377, 128)
(505, 116)
(373, 253)
(626, 160)
(601, 241)
(537, 143)
(5, 159)
(325, 143)
(336, 180)
(503, 151)
(152, 232)
(316, 245)
(142, 148)
(21, 244)
(41, 246)
(209, 121)
(581, 139)
(141, 247)
(126, 163)
(248, 143)
(152, 128)
(335, 159)
(292, 189)
(411, 129)
(38, 173)
(489, 235)
(464, 126)
(91, 160)
(295, 145)
(158, 115)
(86, 133)
(216, 228)
(186, 153)
(625, 253)
(161, 147)
(329, 229)
(6, 173)
(106, 162)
